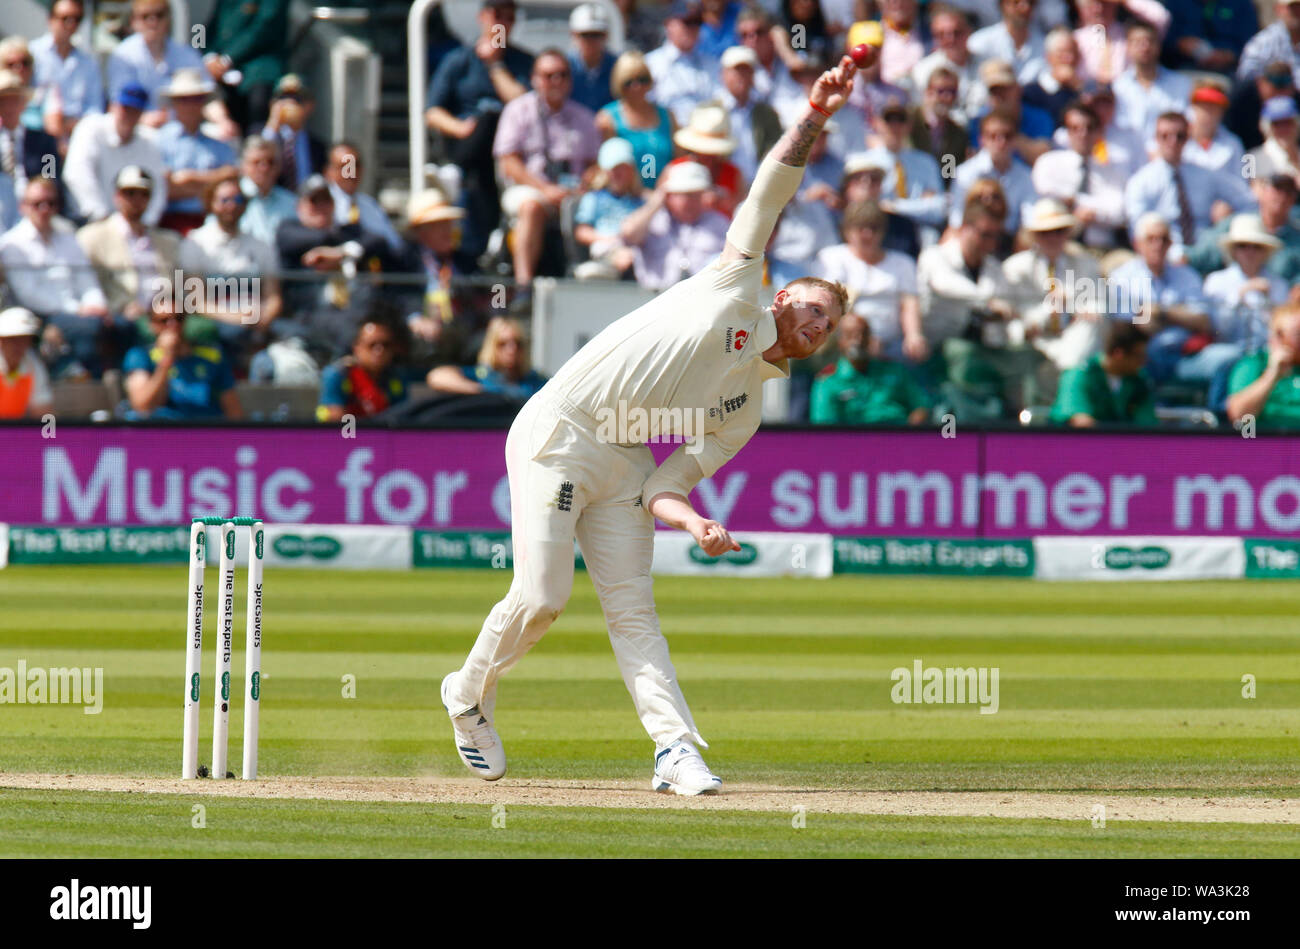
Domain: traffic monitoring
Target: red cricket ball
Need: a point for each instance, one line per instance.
(862, 55)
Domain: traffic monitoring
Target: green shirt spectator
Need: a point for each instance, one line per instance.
(1110, 386)
(861, 390)
(1282, 407)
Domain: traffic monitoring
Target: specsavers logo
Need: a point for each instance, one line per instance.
(1148, 558)
(746, 555)
(320, 547)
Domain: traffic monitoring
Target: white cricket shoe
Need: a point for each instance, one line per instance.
(680, 769)
(477, 742)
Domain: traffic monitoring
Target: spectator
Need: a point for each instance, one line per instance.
(193, 160)
(148, 58)
(1110, 387)
(1167, 302)
(67, 78)
(632, 116)
(268, 203)
(963, 311)
(755, 123)
(1277, 197)
(24, 153)
(1092, 190)
(995, 160)
(436, 254)
(24, 383)
(1209, 35)
(870, 94)
(913, 187)
(864, 178)
(1119, 149)
(674, 232)
(364, 383)
(171, 379)
(950, 30)
(1243, 118)
(772, 79)
(503, 366)
(326, 311)
(708, 141)
(642, 28)
(1188, 197)
(718, 27)
(803, 19)
(1062, 81)
(301, 153)
(590, 60)
(881, 283)
(808, 223)
(684, 76)
(863, 389)
(102, 146)
(1264, 384)
(48, 273)
(1146, 90)
(1033, 125)
(466, 95)
(251, 40)
(1047, 14)
(602, 211)
(1015, 40)
(1244, 294)
(352, 205)
(1100, 35)
(219, 249)
(901, 48)
(933, 129)
(16, 56)
(1276, 43)
(1209, 144)
(1054, 286)
(546, 146)
(1279, 155)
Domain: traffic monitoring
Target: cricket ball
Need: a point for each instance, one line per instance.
(863, 55)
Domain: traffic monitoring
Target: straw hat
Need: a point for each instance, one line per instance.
(11, 82)
(429, 206)
(1247, 229)
(1048, 214)
(708, 133)
(187, 82)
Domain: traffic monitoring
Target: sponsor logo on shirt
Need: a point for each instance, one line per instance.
(735, 340)
(727, 406)
(741, 336)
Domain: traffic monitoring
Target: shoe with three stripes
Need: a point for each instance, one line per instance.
(477, 742)
(680, 769)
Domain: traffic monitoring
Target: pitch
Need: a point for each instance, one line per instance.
(1131, 720)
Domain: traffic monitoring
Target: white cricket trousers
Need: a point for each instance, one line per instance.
(566, 484)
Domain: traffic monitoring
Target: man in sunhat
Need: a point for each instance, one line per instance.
(193, 160)
(1277, 197)
(102, 145)
(24, 383)
(754, 123)
(435, 231)
(590, 60)
(707, 140)
(1242, 295)
(675, 232)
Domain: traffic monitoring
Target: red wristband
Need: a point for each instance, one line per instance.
(817, 108)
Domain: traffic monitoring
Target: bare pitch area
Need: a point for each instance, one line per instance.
(737, 797)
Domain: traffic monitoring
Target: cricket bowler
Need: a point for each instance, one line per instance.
(701, 349)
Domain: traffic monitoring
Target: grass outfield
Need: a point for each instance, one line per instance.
(1131, 687)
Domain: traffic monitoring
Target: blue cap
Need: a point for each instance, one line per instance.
(133, 95)
(1279, 107)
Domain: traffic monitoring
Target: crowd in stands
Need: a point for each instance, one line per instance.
(1082, 210)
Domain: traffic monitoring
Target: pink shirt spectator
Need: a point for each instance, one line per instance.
(900, 53)
(528, 128)
(1104, 54)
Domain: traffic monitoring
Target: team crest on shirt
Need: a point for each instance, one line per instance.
(726, 406)
(735, 340)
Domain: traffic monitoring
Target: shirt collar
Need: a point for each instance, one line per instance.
(764, 338)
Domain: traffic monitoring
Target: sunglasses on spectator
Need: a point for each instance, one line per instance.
(947, 34)
(749, 34)
(167, 319)
(693, 22)
(637, 81)
(67, 17)
(150, 15)
(895, 117)
(592, 35)
(133, 193)
(998, 136)
(945, 90)
(1173, 136)
(17, 64)
(557, 75)
(229, 199)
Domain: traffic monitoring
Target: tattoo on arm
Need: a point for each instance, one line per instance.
(797, 142)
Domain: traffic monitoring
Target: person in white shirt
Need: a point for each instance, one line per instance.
(1209, 144)
(219, 249)
(1242, 295)
(675, 234)
(1015, 39)
(772, 79)
(49, 273)
(351, 204)
(1056, 289)
(996, 159)
(1100, 34)
(950, 31)
(101, 146)
(1091, 189)
(881, 283)
(684, 76)
(700, 351)
(1146, 90)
